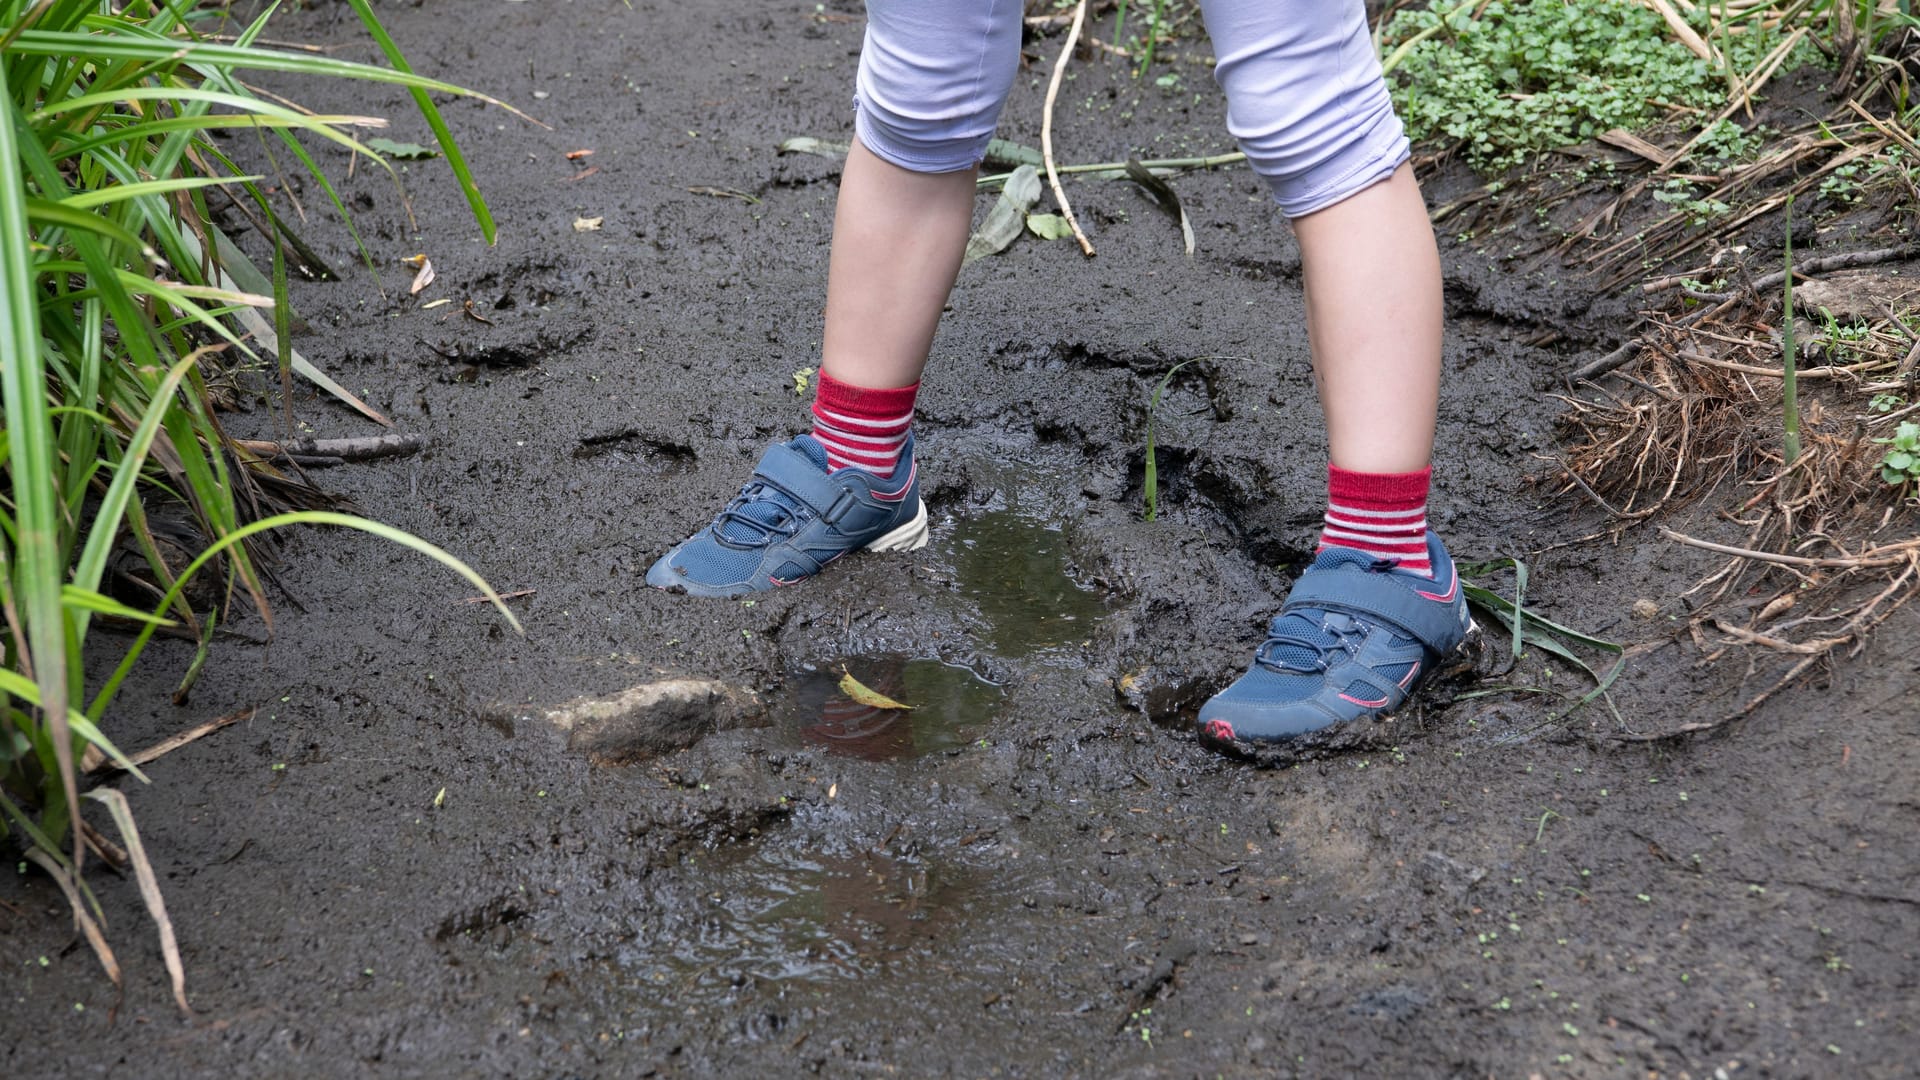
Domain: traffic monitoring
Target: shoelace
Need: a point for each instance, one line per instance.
(758, 516)
(1298, 644)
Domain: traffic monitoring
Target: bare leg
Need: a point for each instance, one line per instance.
(1374, 320)
(898, 237)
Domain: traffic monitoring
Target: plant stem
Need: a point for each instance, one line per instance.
(1790, 386)
(1119, 168)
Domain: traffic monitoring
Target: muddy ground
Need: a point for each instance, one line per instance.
(1038, 873)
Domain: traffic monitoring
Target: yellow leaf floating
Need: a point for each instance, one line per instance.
(861, 693)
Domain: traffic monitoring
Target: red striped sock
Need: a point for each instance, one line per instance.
(861, 428)
(1381, 514)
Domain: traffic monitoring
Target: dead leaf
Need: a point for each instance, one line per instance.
(807, 144)
(587, 224)
(859, 692)
(1003, 223)
(1163, 194)
(423, 275)
(576, 155)
(800, 380)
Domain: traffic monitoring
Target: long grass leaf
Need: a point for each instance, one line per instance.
(302, 517)
(116, 42)
(455, 159)
(66, 879)
(38, 565)
(66, 216)
(19, 686)
(116, 803)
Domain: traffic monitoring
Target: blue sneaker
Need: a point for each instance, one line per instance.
(793, 518)
(1354, 640)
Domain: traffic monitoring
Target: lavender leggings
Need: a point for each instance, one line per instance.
(1305, 97)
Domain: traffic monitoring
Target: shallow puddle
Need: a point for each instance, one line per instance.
(782, 916)
(951, 706)
(1015, 570)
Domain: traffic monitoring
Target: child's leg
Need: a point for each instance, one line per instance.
(933, 77)
(1380, 606)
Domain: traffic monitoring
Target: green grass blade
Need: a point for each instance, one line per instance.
(448, 146)
(115, 43)
(302, 517)
(117, 193)
(65, 216)
(38, 568)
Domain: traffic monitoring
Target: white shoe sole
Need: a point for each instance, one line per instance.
(909, 537)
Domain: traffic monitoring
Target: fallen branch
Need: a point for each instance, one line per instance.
(1846, 260)
(1614, 359)
(361, 449)
(1046, 127)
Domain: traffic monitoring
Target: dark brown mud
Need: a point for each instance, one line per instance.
(1039, 872)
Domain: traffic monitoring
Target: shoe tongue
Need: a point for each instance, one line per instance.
(768, 506)
(1304, 627)
(811, 447)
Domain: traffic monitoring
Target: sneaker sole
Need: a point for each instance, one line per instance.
(1362, 733)
(909, 537)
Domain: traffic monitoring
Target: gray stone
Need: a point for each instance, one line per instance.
(654, 718)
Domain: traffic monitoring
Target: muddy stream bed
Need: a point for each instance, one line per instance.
(399, 868)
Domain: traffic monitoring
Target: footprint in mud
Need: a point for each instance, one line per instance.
(783, 916)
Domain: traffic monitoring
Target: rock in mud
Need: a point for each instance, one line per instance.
(654, 718)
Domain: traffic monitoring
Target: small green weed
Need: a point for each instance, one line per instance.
(1509, 78)
(1680, 194)
(1901, 466)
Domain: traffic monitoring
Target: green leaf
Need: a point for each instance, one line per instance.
(1002, 226)
(1049, 226)
(404, 151)
(860, 692)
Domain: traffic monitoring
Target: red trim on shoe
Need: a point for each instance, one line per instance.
(895, 496)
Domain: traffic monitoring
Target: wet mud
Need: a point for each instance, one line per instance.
(400, 868)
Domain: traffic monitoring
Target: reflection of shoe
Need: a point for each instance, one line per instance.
(1354, 640)
(792, 518)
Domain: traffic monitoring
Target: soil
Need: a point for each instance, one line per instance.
(398, 867)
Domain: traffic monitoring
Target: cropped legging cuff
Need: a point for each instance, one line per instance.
(1305, 96)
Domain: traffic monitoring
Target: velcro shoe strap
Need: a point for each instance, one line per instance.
(1379, 598)
(794, 473)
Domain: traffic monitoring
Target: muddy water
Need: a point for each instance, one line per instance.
(948, 706)
(1014, 569)
(780, 921)
(1025, 876)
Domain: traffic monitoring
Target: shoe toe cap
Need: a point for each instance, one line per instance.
(669, 573)
(1228, 719)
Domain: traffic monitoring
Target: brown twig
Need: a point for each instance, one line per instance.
(1046, 127)
(1886, 555)
(167, 746)
(503, 596)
